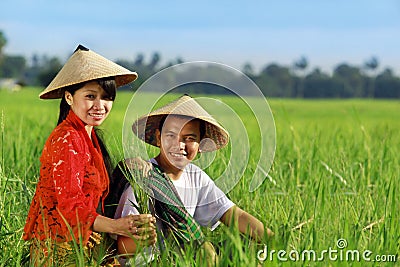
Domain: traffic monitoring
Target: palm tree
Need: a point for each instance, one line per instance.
(301, 64)
(3, 42)
(371, 66)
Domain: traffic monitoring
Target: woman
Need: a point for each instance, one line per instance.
(68, 203)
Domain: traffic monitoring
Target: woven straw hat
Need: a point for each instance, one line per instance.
(85, 65)
(215, 136)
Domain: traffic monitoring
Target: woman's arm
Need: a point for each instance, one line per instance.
(247, 223)
(126, 226)
(122, 226)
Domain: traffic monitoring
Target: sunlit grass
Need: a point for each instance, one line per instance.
(335, 175)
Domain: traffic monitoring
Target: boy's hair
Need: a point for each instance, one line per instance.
(202, 123)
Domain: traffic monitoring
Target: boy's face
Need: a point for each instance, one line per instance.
(179, 142)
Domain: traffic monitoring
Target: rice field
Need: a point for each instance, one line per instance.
(331, 197)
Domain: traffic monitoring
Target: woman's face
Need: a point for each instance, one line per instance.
(90, 103)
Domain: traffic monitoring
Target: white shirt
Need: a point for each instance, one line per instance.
(203, 200)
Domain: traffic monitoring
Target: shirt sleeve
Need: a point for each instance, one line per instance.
(213, 203)
(126, 204)
(71, 172)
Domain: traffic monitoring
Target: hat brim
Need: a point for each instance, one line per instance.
(215, 136)
(54, 93)
(84, 66)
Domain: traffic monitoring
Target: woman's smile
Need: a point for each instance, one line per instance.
(97, 116)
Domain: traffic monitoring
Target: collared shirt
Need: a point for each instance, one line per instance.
(73, 180)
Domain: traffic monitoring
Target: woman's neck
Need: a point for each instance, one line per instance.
(89, 129)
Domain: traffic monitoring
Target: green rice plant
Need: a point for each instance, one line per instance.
(335, 176)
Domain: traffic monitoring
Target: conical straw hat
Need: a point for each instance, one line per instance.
(215, 136)
(85, 65)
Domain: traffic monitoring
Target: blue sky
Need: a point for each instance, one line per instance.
(231, 32)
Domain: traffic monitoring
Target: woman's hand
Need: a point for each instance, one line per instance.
(141, 233)
(141, 227)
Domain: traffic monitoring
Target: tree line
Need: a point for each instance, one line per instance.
(274, 80)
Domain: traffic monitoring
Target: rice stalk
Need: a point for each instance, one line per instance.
(371, 225)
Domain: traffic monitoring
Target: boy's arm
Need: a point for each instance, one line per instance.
(246, 222)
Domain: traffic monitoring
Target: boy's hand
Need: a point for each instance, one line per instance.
(140, 165)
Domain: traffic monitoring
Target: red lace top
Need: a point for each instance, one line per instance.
(73, 179)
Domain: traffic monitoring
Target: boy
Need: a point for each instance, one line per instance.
(185, 196)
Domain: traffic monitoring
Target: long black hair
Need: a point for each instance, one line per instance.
(109, 85)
